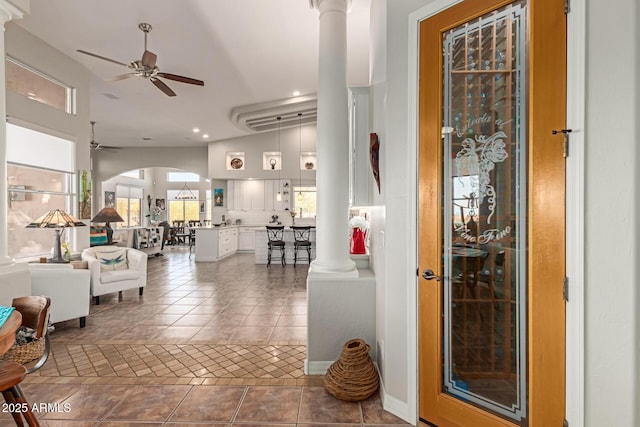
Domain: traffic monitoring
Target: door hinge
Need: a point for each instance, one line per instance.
(565, 289)
(565, 423)
(565, 140)
(567, 6)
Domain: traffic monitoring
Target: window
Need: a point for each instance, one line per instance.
(182, 177)
(34, 191)
(305, 198)
(136, 173)
(128, 205)
(39, 178)
(35, 85)
(186, 210)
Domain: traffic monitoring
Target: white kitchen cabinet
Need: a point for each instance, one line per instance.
(246, 239)
(215, 243)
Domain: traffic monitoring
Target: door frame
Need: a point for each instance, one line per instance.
(575, 178)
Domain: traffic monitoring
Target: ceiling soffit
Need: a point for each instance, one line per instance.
(263, 116)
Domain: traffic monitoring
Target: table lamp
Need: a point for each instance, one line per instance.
(108, 215)
(58, 220)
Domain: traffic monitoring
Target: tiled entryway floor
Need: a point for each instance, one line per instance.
(208, 344)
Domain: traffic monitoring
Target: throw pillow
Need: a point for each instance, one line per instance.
(97, 235)
(113, 259)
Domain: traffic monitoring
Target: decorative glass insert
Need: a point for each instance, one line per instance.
(485, 223)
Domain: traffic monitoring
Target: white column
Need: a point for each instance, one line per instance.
(332, 175)
(7, 12)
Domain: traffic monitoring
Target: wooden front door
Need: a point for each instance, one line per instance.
(492, 214)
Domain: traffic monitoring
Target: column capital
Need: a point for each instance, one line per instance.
(14, 9)
(330, 5)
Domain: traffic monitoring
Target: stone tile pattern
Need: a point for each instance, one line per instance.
(166, 361)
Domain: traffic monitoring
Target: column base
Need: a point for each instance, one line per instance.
(346, 270)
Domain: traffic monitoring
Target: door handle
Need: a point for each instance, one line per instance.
(429, 275)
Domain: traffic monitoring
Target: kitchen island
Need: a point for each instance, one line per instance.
(215, 243)
(261, 248)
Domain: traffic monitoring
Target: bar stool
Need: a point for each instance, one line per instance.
(301, 240)
(275, 234)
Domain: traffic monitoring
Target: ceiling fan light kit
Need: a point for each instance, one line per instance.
(146, 67)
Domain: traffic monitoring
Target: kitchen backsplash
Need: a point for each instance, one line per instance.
(264, 217)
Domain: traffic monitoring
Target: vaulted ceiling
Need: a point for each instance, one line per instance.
(246, 52)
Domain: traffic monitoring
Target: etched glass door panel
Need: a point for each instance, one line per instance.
(484, 212)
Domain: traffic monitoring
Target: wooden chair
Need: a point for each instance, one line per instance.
(35, 312)
(275, 236)
(179, 235)
(18, 361)
(301, 240)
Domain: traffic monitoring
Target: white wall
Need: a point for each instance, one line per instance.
(393, 258)
(254, 145)
(611, 215)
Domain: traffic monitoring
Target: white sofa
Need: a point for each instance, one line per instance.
(106, 282)
(67, 287)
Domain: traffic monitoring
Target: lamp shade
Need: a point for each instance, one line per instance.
(107, 215)
(56, 218)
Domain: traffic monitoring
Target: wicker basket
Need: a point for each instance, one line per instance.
(25, 353)
(353, 377)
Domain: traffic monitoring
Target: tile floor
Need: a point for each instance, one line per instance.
(209, 344)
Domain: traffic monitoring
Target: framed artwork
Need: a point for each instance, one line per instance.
(109, 199)
(84, 194)
(202, 207)
(218, 197)
(161, 204)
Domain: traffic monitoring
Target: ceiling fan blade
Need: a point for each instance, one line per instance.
(120, 77)
(181, 79)
(163, 87)
(102, 57)
(149, 59)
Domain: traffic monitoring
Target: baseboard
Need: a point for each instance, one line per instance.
(397, 407)
(316, 368)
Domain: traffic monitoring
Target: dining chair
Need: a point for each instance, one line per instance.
(301, 240)
(275, 236)
(179, 234)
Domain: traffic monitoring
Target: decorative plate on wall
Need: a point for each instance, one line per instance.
(236, 163)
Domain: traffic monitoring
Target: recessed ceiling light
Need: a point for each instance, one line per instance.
(296, 93)
(196, 130)
(205, 135)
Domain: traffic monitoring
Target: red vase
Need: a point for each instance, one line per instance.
(357, 241)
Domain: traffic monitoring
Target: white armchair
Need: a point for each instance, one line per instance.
(115, 269)
(68, 289)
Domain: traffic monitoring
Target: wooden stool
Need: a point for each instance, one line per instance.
(11, 375)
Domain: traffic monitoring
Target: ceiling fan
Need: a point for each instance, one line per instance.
(95, 146)
(146, 67)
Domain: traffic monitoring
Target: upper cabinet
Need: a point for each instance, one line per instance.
(259, 195)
